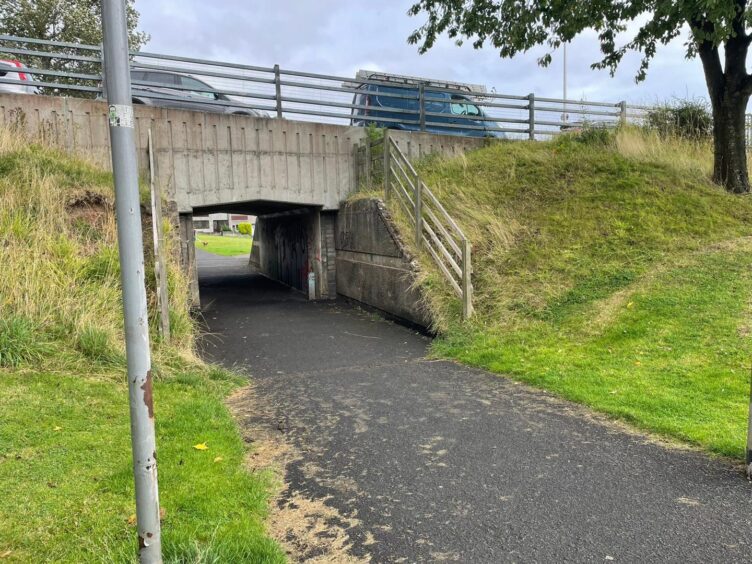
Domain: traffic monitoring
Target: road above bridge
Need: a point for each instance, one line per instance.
(430, 461)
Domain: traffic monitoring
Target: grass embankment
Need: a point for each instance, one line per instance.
(65, 463)
(610, 271)
(228, 246)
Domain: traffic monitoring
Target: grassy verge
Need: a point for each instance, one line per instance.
(65, 438)
(65, 464)
(225, 246)
(607, 268)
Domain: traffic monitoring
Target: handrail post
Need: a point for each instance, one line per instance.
(467, 286)
(531, 116)
(278, 91)
(387, 153)
(422, 106)
(368, 162)
(418, 212)
(623, 112)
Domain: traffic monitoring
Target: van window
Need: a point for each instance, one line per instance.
(410, 103)
(434, 105)
(461, 107)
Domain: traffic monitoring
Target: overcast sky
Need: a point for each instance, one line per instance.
(340, 36)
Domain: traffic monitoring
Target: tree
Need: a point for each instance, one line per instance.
(71, 21)
(514, 26)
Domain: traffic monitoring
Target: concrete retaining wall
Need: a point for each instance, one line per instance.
(416, 145)
(372, 265)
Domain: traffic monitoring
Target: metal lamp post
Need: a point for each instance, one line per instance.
(130, 244)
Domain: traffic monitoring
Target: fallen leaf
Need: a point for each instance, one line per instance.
(637, 363)
(57, 429)
(6, 554)
(201, 446)
(630, 305)
(132, 519)
(218, 459)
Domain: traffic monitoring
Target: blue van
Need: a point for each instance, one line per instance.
(397, 107)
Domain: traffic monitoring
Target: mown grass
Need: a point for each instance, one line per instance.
(65, 463)
(609, 269)
(227, 246)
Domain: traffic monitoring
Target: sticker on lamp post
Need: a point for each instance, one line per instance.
(121, 115)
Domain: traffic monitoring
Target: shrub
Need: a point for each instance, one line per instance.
(593, 135)
(686, 119)
(245, 228)
(598, 136)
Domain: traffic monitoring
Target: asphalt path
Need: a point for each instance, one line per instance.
(435, 461)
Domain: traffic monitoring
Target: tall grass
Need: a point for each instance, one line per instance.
(58, 251)
(66, 472)
(541, 216)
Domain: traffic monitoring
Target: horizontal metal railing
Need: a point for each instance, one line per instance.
(58, 68)
(435, 231)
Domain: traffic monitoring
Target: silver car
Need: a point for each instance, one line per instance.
(10, 69)
(183, 91)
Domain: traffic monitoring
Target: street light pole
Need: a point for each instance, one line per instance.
(130, 244)
(564, 116)
(749, 436)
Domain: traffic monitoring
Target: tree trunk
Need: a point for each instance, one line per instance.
(730, 151)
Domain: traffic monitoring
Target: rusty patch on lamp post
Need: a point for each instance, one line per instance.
(148, 396)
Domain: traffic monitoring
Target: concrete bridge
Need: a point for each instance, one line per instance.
(293, 175)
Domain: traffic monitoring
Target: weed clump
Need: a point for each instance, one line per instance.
(20, 342)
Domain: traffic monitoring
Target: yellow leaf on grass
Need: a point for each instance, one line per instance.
(57, 429)
(218, 459)
(6, 554)
(630, 305)
(132, 519)
(201, 446)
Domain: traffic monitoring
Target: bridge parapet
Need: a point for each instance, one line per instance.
(205, 159)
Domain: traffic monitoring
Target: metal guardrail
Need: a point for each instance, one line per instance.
(433, 228)
(58, 68)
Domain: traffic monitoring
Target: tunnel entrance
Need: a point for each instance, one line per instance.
(290, 243)
(282, 248)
